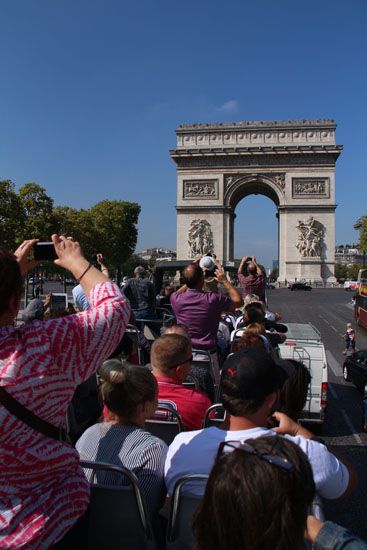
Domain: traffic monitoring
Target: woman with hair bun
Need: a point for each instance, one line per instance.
(130, 397)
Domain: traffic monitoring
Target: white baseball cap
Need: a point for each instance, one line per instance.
(207, 263)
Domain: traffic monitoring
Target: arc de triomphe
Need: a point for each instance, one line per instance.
(291, 162)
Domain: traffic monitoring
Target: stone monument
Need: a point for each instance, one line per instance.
(291, 162)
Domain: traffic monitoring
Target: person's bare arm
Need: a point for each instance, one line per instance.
(313, 528)
(22, 256)
(235, 296)
(258, 269)
(104, 268)
(243, 261)
(70, 257)
(290, 427)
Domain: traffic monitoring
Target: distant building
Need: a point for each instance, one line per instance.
(275, 264)
(348, 254)
(160, 254)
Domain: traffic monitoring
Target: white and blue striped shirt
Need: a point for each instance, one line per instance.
(131, 447)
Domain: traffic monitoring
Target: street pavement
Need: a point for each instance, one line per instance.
(329, 310)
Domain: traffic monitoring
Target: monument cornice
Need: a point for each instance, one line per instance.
(308, 207)
(254, 134)
(257, 150)
(258, 124)
(205, 208)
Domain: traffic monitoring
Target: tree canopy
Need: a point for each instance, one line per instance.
(363, 233)
(108, 227)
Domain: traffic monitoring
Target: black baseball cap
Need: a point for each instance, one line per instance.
(253, 374)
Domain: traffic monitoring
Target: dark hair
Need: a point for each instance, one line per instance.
(251, 268)
(192, 275)
(293, 394)
(169, 350)
(247, 340)
(255, 328)
(11, 280)
(233, 401)
(126, 386)
(254, 314)
(168, 329)
(253, 505)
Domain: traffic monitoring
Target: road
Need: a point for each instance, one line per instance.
(329, 310)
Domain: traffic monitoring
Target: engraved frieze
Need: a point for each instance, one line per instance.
(200, 189)
(310, 187)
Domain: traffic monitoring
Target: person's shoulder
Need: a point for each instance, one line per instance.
(216, 297)
(201, 398)
(93, 432)
(151, 440)
(311, 447)
(183, 438)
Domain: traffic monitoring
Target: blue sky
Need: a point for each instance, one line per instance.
(92, 91)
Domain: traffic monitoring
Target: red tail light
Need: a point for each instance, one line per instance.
(324, 394)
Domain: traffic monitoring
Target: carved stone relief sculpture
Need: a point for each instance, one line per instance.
(203, 189)
(310, 238)
(200, 238)
(310, 186)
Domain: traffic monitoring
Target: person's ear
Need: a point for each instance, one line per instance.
(271, 400)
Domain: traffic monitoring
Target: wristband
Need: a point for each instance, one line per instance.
(84, 272)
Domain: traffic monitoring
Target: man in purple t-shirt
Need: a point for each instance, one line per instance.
(200, 311)
(254, 282)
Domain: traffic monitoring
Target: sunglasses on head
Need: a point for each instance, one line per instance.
(188, 360)
(275, 460)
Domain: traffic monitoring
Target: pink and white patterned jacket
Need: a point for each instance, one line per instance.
(43, 491)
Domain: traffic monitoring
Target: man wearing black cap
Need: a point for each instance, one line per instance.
(250, 382)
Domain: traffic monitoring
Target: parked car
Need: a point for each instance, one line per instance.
(299, 286)
(350, 285)
(271, 286)
(355, 369)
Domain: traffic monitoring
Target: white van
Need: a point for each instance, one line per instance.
(304, 344)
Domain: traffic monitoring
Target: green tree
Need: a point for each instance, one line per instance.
(274, 274)
(363, 234)
(78, 224)
(38, 210)
(353, 271)
(11, 215)
(127, 267)
(341, 271)
(115, 223)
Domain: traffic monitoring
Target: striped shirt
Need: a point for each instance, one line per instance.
(42, 488)
(131, 447)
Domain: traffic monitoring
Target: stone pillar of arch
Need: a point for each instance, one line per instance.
(291, 162)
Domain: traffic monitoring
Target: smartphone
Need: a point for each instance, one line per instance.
(44, 251)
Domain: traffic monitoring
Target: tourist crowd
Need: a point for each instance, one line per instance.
(85, 384)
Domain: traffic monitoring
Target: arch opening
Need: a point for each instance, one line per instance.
(256, 229)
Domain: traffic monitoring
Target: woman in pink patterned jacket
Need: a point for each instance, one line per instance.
(43, 491)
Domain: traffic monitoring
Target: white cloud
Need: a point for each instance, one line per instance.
(230, 106)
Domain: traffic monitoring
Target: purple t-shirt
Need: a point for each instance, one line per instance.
(253, 284)
(200, 312)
